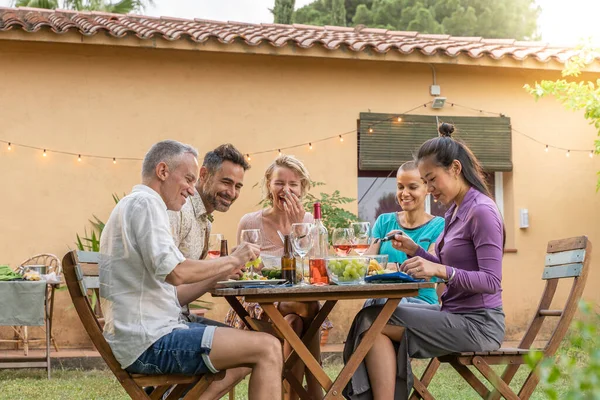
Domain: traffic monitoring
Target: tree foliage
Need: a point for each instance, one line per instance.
(119, 7)
(493, 19)
(574, 93)
(283, 11)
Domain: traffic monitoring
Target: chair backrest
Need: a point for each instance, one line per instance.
(566, 259)
(49, 260)
(80, 269)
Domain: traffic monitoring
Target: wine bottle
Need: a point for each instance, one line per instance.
(288, 262)
(320, 249)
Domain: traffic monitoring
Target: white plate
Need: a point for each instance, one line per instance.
(265, 282)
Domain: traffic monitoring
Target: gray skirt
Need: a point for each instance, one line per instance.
(429, 333)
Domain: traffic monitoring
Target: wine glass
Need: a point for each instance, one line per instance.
(214, 245)
(362, 236)
(342, 241)
(302, 241)
(252, 236)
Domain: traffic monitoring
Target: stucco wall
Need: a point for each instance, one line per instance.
(117, 102)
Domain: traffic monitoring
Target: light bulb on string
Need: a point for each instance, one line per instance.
(9, 148)
(341, 138)
(591, 153)
(399, 119)
(114, 160)
(568, 153)
(279, 150)
(310, 146)
(248, 157)
(79, 158)
(546, 149)
(370, 130)
(44, 153)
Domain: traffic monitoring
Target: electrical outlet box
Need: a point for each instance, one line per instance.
(435, 90)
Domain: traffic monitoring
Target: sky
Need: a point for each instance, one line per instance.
(562, 22)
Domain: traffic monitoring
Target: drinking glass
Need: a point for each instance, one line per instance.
(362, 236)
(302, 241)
(253, 236)
(214, 245)
(342, 241)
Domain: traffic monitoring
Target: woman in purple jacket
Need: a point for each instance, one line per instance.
(468, 257)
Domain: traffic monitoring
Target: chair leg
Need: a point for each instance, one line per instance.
(494, 379)
(25, 341)
(199, 388)
(232, 393)
(471, 379)
(530, 384)
(420, 386)
(158, 392)
(507, 376)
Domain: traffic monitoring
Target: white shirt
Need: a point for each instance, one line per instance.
(137, 254)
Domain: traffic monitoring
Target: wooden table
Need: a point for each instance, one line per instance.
(267, 297)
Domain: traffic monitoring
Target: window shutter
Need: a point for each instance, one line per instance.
(392, 143)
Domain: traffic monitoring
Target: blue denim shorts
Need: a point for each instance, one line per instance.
(182, 352)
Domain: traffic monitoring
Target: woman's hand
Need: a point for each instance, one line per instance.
(420, 268)
(403, 243)
(293, 208)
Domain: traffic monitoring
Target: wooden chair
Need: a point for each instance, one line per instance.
(81, 274)
(566, 258)
(21, 335)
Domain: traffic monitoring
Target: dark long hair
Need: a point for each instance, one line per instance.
(443, 150)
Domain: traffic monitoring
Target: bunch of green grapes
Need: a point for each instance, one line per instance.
(347, 270)
(254, 263)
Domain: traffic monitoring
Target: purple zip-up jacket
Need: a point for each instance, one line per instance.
(471, 243)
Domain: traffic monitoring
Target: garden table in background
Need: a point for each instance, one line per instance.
(267, 297)
(25, 303)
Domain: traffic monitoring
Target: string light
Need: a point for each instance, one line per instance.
(370, 130)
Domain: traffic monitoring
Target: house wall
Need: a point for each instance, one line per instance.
(117, 102)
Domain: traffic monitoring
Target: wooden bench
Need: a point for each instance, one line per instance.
(80, 270)
(565, 259)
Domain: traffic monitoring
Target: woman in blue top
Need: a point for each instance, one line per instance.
(413, 221)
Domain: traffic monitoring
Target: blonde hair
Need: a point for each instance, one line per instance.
(291, 163)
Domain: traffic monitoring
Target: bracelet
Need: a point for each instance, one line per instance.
(453, 273)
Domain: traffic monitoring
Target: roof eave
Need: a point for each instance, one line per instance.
(265, 48)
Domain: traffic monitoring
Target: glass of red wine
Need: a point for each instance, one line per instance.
(342, 240)
(362, 236)
(214, 245)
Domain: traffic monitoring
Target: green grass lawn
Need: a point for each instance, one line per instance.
(100, 384)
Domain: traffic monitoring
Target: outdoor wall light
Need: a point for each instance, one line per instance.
(523, 218)
(438, 102)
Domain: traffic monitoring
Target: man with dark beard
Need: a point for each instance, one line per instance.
(219, 183)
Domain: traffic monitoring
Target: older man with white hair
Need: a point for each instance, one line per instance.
(140, 270)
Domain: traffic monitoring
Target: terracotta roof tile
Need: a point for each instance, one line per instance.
(356, 39)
